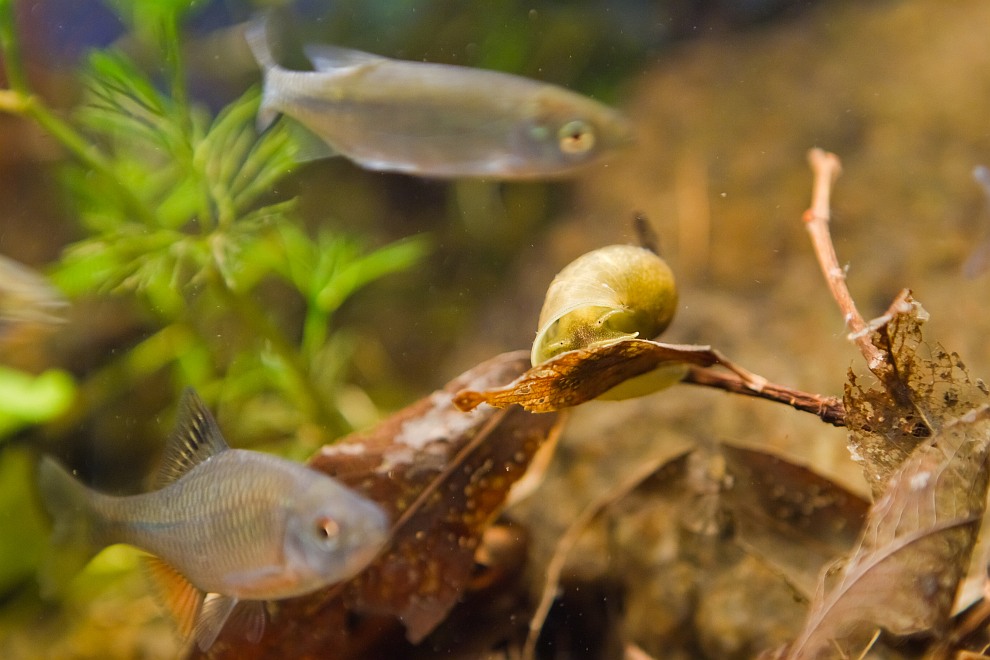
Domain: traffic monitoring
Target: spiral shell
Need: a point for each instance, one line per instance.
(612, 293)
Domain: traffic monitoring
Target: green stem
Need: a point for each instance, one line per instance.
(11, 51)
(169, 43)
(12, 102)
(314, 330)
(173, 60)
(19, 100)
(314, 401)
(86, 154)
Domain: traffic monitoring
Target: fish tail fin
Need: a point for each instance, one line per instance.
(256, 34)
(74, 540)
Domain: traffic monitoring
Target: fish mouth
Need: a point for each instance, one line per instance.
(362, 556)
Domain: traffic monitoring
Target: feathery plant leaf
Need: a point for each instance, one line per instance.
(174, 203)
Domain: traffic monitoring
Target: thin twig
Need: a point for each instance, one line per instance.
(646, 234)
(828, 408)
(826, 168)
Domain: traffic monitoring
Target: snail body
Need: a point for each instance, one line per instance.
(612, 293)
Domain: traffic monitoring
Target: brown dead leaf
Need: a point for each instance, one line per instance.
(443, 475)
(887, 423)
(922, 435)
(575, 377)
(914, 548)
(788, 516)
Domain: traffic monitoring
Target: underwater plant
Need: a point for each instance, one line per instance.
(179, 217)
(178, 221)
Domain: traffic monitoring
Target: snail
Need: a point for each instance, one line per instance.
(607, 295)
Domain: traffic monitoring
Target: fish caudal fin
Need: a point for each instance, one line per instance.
(256, 35)
(74, 541)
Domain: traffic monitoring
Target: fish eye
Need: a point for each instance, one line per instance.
(576, 137)
(326, 530)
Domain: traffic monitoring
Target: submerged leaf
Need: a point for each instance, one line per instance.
(443, 475)
(885, 426)
(914, 548)
(575, 377)
(790, 517)
(923, 436)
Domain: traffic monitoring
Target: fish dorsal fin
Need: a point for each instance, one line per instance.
(216, 611)
(333, 58)
(178, 596)
(195, 439)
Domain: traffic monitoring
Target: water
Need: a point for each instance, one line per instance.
(302, 322)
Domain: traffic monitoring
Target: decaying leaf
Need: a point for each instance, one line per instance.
(687, 531)
(887, 423)
(443, 475)
(923, 436)
(914, 548)
(793, 519)
(577, 376)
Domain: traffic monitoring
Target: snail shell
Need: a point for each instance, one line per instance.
(609, 294)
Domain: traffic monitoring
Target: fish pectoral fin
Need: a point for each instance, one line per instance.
(180, 598)
(245, 619)
(216, 611)
(309, 145)
(333, 58)
(248, 620)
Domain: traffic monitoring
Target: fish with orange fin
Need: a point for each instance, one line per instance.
(226, 528)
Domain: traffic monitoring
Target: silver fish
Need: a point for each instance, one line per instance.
(225, 525)
(437, 120)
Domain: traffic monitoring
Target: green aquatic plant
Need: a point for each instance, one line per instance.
(27, 399)
(179, 216)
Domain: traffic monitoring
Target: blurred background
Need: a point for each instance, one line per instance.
(727, 97)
